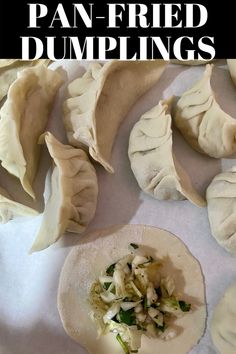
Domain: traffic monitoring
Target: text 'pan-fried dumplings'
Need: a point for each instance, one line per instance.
(9, 69)
(223, 329)
(152, 160)
(232, 69)
(24, 117)
(73, 197)
(87, 261)
(221, 203)
(101, 99)
(10, 209)
(202, 122)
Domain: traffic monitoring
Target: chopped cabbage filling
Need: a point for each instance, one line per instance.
(131, 298)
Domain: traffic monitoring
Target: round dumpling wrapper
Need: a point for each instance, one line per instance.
(223, 328)
(85, 263)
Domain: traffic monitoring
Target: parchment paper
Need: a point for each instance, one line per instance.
(29, 321)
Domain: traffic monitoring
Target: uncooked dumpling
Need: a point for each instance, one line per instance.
(153, 163)
(73, 198)
(232, 69)
(223, 328)
(7, 62)
(9, 69)
(101, 99)
(90, 258)
(10, 209)
(24, 117)
(206, 127)
(221, 203)
(189, 62)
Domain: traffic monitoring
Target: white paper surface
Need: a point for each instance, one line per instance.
(29, 321)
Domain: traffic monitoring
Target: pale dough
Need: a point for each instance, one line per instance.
(100, 100)
(202, 122)
(86, 262)
(223, 324)
(221, 205)
(232, 69)
(152, 159)
(24, 117)
(73, 196)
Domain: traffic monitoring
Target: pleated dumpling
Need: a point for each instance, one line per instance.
(232, 69)
(10, 209)
(6, 62)
(223, 329)
(153, 163)
(9, 69)
(202, 122)
(24, 117)
(221, 203)
(189, 62)
(100, 100)
(73, 196)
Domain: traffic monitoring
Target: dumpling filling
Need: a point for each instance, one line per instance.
(131, 298)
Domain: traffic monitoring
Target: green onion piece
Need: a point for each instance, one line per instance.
(128, 317)
(184, 306)
(145, 303)
(106, 285)
(134, 245)
(110, 269)
(123, 345)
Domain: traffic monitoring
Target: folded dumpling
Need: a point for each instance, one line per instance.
(153, 163)
(7, 62)
(232, 69)
(221, 203)
(189, 62)
(10, 209)
(223, 329)
(100, 100)
(73, 198)
(206, 127)
(9, 69)
(24, 117)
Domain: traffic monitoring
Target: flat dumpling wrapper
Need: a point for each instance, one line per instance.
(152, 160)
(202, 122)
(101, 99)
(223, 329)
(24, 117)
(73, 198)
(9, 69)
(221, 203)
(9, 209)
(86, 262)
(232, 69)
